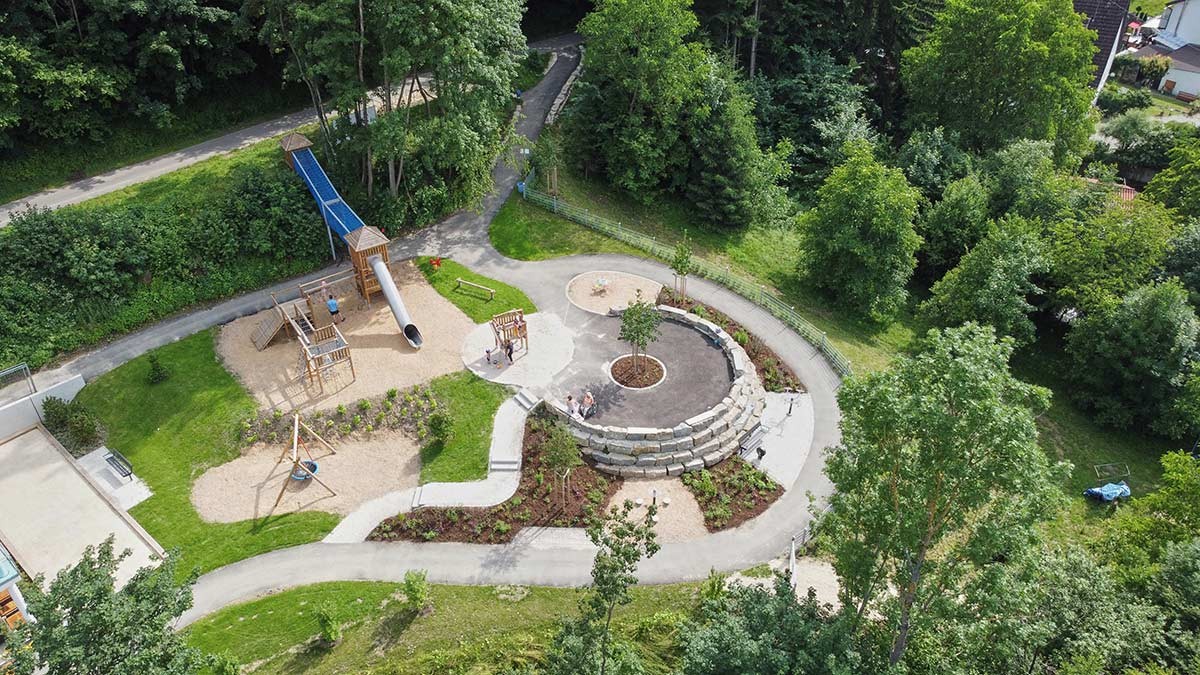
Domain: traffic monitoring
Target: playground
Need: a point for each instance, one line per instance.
(381, 358)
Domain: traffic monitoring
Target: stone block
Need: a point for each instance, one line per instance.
(681, 430)
(701, 450)
(615, 433)
(719, 426)
(617, 460)
(694, 465)
(702, 435)
(662, 435)
(656, 472)
(681, 456)
(644, 449)
(639, 433)
(700, 421)
(686, 443)
(675, 470)
(647, 460)
(713, 457)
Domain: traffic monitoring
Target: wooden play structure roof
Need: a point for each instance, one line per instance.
(365, 237)
(294, 141)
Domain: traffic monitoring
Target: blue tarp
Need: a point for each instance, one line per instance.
(1108, 492)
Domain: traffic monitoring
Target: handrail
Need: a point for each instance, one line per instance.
(747, 288)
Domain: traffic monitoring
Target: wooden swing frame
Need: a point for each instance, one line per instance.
(297, 464)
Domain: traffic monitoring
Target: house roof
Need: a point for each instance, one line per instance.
(1186, 58)
(1107, 18)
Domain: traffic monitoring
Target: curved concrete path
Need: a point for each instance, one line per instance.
(546, 557)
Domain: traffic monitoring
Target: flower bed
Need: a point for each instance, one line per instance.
(538, 502)
(775, 374)
(409, 410)
(731, 493)
(628, 373)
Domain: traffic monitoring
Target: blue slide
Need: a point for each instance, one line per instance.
(343, 220)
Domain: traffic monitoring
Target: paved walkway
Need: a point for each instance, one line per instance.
(118, 179)
(545, 557)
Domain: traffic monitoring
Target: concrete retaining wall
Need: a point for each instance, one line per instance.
(24, 413)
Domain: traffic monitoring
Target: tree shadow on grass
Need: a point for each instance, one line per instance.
(391, 628)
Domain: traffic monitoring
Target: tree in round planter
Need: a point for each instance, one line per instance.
(639, 327)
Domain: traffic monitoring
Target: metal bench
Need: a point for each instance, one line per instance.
(752, 441)
(122, 466)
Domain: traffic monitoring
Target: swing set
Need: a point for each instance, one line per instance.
(302, 469)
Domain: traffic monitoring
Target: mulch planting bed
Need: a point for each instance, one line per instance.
(731, 493)
(538, 502)
(627, 373)
(775, 374)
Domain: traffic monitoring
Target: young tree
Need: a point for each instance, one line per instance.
(682, 265)
(1178, 186)
(995, 71)
(583, 646)
(954, 225)
(548, 157)
(84, 624)
(1130, 361)
(939, 471)
(639, 327)
(992, 283)
(1096, 260)
(560, 454)
(859, 240)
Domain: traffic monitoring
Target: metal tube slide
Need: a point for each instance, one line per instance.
(407, 327)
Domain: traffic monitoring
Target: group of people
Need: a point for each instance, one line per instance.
(582, 409)
(493, 355)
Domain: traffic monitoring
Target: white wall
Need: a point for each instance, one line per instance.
(1185, 21)
(1185, 81)
(23, 413)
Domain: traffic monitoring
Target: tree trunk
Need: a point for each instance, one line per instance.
(754, 40)
(604, 641)
(907, 597)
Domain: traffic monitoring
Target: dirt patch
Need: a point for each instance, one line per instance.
(598, 292)
(408, 411)
(538, 502)
(775, 374)
(382, 358)
(731, 493)
(362, 469)
(637, 374)
(678, 516)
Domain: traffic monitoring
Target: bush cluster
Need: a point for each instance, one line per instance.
(1115, 100)
(75, 276)
(73, 425)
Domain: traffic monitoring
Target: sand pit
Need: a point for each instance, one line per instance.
(382, 358)
(680, 520)
(620, 289)
(362, 470)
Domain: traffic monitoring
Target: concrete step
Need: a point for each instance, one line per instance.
(527, 400)
(504, 465)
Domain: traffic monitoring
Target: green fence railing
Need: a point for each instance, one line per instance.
(741, 285)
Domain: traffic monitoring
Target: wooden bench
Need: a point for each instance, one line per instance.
(1185, 97)
(122, 466)
(472, 284)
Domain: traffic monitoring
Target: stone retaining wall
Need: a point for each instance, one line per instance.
(695, 443)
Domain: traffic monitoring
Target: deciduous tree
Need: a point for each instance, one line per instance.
(639, 327)
(939, 472)
(86, 625)
(995, 71)
(954, 225)
(1178, 186)
(859, 240)
(992, 283)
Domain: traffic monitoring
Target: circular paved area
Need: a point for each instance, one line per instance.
(619, 289)
(551, 348)
(698, 375)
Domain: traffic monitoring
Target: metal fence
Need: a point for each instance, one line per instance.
(16, 383)
(743, 286)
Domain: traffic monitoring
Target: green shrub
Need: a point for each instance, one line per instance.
(416, 590)
(331, 628)
(741, 337)
(55, 414)
(441, 426)
(158, 372)
(1114, 100)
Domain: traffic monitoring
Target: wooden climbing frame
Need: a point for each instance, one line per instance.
(511, 326)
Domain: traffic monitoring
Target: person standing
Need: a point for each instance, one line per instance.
(508, 350)
(332, 304)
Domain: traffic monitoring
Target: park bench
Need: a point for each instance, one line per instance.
(752, 441)
(491, 291)
(122, 466)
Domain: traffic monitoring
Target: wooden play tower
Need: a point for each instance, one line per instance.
(365, 243)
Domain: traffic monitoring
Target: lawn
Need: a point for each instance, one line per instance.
(1161, 104)
(242, 102)
(474, 302)
(472, 629)
(471, 403)
(172, 432)
(527, 232)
